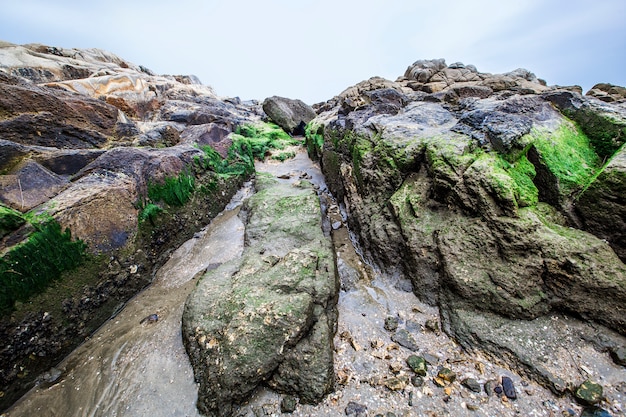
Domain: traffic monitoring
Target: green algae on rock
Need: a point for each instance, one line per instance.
(270, 315)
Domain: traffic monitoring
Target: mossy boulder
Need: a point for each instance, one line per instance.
(270, 315)
(484, 202)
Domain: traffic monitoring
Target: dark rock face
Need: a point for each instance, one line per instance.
(291, 115)
(269, 316)
(496, 202)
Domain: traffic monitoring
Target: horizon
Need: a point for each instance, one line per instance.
(314, 50)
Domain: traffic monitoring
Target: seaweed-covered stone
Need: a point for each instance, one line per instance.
(417, 364)
(447, 374)
(595, 412)
(269, 315)
(589, 392)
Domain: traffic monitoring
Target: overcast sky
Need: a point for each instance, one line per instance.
(314, 49)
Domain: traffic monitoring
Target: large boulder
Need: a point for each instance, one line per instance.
(495, 202)
(292, 115)
(269, 316)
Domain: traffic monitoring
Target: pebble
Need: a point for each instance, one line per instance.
(391, 324)
(447, 375)
(595, 412)
(417, 381)
(355, 409)
(152, 318)
(405, 339)
(471, 384)
(417, 364)
(589, 392)
(508, 388)
(432, 325)
(489, 387)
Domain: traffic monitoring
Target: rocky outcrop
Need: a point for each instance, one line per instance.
(291, 115)
(269, 316)
(114, 155)
(485, 190)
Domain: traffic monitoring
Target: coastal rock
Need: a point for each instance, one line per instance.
(486, 202)
(292, 115)
(270, 315)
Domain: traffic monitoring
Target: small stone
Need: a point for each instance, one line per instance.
(589, 393)
(498, 389)
(288, 404)
(439, 382)
(391, 324)
(447, 375)
(390, 414)
(397, 383)
(471, 384)
(508, 388)
(395, 367)
(356, 409)
(336, 225)
(432, 325)
(618, 354)
(471, 407)
(417, 381)
(489, 387)
(410, 398)
(447, 390)
(405, 339)
(417, 364)
(595, 412)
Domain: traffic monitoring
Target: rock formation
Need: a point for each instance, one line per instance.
(115, 155)
(291, 115)
(270, 316)
(492, 193)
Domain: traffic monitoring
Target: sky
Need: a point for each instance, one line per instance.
(313, 50)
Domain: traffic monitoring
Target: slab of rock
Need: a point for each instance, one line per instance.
(270, 315)
(292, 115)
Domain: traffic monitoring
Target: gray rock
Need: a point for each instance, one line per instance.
(291, 115)
(255, 321)
(472, 385)
(355, 409)
(405, 339)
(618, 354)
(391, 324)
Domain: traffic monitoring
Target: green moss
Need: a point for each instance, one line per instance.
(175, 191)
(522, 172)
(314, 139)
(261, 138)
(568, 154)
(29, 267)
(9, 220)
(283, 156)
(150, 213)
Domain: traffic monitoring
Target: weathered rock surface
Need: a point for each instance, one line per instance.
(492, 200)
(270, 316)
(292, 115)
(83, 136)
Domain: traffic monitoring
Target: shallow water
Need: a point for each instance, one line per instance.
(130, 368)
